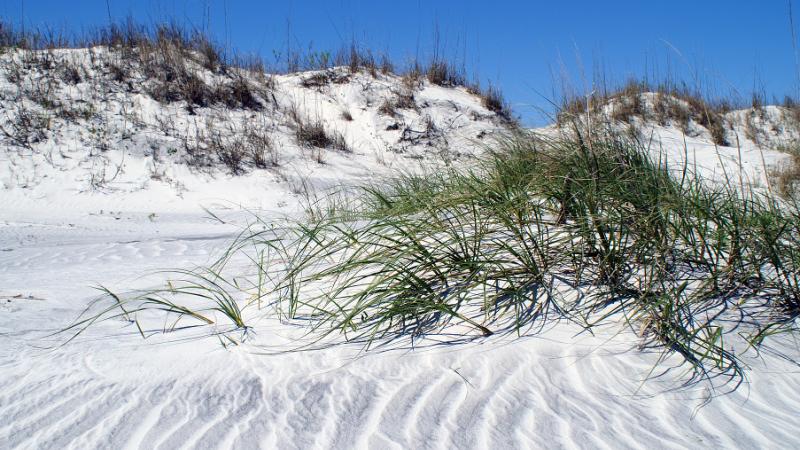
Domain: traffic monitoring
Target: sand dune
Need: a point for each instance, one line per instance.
(109, 388)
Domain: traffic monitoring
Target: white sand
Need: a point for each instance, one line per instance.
(109, 388)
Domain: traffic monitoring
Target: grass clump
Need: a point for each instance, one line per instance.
(403, 99)
(387, 108)
(173, 63)
(591, 228)
(442, 73)
(492, 99)
(665, 103)
(581, 229)
(314, 135)
(238, 93)
(786, 179)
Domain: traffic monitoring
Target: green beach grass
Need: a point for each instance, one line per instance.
(588, 226)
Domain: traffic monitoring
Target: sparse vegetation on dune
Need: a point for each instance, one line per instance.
(55, 83)
(787, 178)
(168, 53)
(728, 121)
(666, 103)
(315, 136)
(493, 100)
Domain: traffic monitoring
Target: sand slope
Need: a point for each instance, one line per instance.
(109, 388)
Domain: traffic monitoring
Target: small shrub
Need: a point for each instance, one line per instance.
(210, 54)
(401, 100)
(442, 73)
(260, 148)
(312, 135)
(661, 107)
(321, 79)
(628, 103)
(791, 108)
(572, 108)
(757, 103)
(27, 128)
(318, 60)
(715, 124)
(412, 79)
(70, 74)
(316, 80)
(786, 179)
(232, 156)
(230, 148)
(182, 86)
(387, 108)
(492, 99)
(74, 112)
(315, 135)
(405, 100)
(386, 65)
(430, 135)
(196, 153)
(338, 142)
(355, 59)
(118, 73)
(706, 115)
(238, 94)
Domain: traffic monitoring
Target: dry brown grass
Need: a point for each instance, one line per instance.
(443, 73)
(313, 134)
(387, 108)
(671, 104)
(403, 99)
(172, 64)
(786, 179)
(492, 99)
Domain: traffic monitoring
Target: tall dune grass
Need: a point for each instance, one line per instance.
(593, 228)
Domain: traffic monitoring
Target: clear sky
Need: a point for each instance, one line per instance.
(528, 48)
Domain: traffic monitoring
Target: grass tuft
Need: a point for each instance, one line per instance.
(786, 179)
(590, 228)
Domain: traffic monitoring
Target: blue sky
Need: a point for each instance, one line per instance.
(528, 48)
